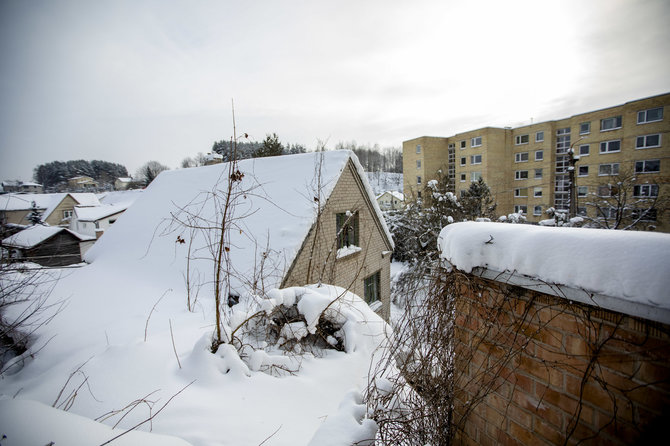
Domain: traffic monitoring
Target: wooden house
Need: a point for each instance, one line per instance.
(46, 245)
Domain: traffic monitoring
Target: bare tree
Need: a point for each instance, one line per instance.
(624, 201)
(149, 171)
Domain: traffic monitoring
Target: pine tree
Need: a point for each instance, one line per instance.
(35, 216)
(477, 201)
(269, 147)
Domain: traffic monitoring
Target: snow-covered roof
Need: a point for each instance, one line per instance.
(19, 202)
(279, 209)
(395, 194)
(94, 213)
(124, 179)
(120, 196)
(34, 235)
(631, 266)
(213, 156)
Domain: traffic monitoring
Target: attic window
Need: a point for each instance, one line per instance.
(347, 229)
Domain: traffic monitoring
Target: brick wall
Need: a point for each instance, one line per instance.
(532, 368)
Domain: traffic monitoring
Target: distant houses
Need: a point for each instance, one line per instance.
(391, 201)
(20, 186)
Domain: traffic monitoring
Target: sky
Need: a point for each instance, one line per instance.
(132, 81)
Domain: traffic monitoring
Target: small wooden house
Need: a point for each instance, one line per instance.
(46, 245)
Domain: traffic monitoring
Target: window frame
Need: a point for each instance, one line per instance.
(588, 149)
(519, 139)
(537, 210)
(541, 173)
(476, 141)
(607, 144)
(537, 192)
(639, 187)
(518, 175)
(646, 112)
(521, 207)
(611, 166)
(644, 139)
(539, 136)
(464, 178)
(418, 164)
(463, 145)
(585, 189)
(644, 163)
(579, 171)
(418, 148)
(588, 128)
(474, 157)
(541, 155)
(518, 157)
(464, 160)
(518, 192)
(617, 122)
(347, 229)
(475, 176)
(372, 288)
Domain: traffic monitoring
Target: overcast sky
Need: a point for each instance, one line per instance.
(132, 81)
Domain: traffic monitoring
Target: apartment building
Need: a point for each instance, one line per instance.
(528, 167)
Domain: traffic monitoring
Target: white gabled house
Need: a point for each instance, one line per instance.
(391, 200)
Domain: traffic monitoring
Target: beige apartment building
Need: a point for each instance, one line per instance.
(528, 168)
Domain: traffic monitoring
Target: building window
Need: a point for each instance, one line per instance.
(521, 139)
(418, 180)
(67, 214)
(537, 192)
(347, 229)
(452, 146)
(520, 208)
(612, 123)
(539, 137)
(563, 131)
(521, 157)
(537, 210)
(647, 166)
(581, 211)
(644, 214)
(462, 144)
(418, 148)
(475, 176)
(463, 177)
(463, 160)
(538, 174)
(371, 288)
(645, 190)
(539, 155)
(608, 169)
(476, 141)
(584, 128)
(418, 195)
(647, 141)
(650, 115)
(583, 171)
(475, 159)
(610, 146)
(521, 175)
(418, 164)
(584, 150)
(582, 191)
(522, 192)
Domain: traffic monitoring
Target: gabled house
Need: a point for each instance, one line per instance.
(20, 186)
(122, 183)
(46, 245)
(56, 209)
(391, 200)
(294, 220)
(93, 220)
(82, 183)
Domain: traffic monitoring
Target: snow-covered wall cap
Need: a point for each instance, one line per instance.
(34, 235)
(630, 265)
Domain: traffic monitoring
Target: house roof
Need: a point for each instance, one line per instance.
(95, 213)
(127, 197)
(273, 215)
(395, 194)
(34, 235)
(46, 202)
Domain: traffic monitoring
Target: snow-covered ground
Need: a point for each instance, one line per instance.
(123, 345)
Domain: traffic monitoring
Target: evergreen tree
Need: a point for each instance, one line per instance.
(269, 147)
(477, 201)
(35, 215)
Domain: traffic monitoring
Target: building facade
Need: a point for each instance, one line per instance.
(528, 168)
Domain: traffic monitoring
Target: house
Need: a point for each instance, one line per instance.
(295, 220)
(122, 183)
(82, 183)
(56, 209)
(213, 158)
(47, 245)
(391, 200)
(20, 186)
(528, 167)
(93, 220)
(561, 335)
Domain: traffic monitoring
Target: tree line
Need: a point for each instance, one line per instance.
(55, 175)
